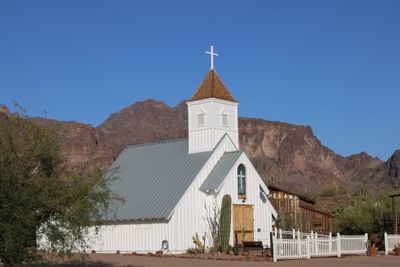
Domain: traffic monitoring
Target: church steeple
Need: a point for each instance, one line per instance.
(212, 86)
(212, 113)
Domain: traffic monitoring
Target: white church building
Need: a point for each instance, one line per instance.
(166, 186)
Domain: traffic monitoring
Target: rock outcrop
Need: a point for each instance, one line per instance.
(284, 154)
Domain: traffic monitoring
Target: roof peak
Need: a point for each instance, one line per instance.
(212, 87)
(158, 142)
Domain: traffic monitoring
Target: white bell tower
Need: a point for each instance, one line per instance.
(212, 113)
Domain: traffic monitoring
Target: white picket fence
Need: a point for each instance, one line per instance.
(323, 245)
(289, 249)
(353, 244)
(289, 245)
(390, 241)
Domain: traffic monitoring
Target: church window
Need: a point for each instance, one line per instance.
(200, 119)
(241, 176)
(224, 120)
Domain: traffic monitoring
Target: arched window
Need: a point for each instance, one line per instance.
(241, 176)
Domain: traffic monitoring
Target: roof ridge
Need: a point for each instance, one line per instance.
(212, 82)
(158, 142)
(232, 152)
(224, 164)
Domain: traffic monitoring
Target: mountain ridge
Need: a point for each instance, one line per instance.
(284, 154)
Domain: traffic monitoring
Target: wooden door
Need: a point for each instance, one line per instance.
(243, 222)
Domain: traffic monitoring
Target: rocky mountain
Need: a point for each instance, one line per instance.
(392, 167)
(286, 155)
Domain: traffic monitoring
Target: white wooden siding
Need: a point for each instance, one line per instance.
(190, 214)
(205, 137)
(262, 211)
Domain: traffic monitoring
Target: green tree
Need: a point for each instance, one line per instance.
(285, 220)
(364, 215)
(40, 197)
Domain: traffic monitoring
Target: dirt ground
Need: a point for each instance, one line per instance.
(106, 260)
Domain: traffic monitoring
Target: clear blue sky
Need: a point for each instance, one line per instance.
(333, 65)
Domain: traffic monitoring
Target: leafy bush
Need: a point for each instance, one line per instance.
(364, 215)
(39, 196)
(285, 220)
(334, 191)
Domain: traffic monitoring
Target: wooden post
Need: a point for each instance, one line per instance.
(330, 243)
(396, 224)
(394, 213)
(393, 219)
(271, 243)
(339, 245)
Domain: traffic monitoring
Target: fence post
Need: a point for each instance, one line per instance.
(386, 244)
(274, 248)
(366, 242)
(311, 241)
(280, 233)
(299, 243)
(294, 234)
(316, 243)
(308, 247)
(330, 243)
(339, 245)
(311, 235)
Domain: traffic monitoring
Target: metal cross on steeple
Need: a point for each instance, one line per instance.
(212, 54)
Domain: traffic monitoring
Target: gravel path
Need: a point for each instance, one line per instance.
(106, 260)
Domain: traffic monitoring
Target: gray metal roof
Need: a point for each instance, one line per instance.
(152, 178)
(220, 171)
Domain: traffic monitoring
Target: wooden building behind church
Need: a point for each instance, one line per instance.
(299, 212)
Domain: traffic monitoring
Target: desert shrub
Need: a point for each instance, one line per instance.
(39, 196)
(334, 191)
(213, 221)
(200, 246)
(285, 221)
(364, 215)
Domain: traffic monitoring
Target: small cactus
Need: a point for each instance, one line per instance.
(200, 245)
(225, 223)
